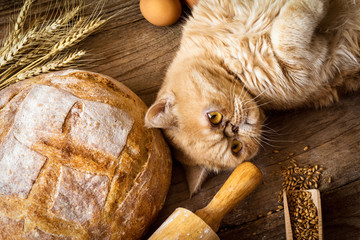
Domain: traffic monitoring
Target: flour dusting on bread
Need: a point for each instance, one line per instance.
(109, 127)
(19, 167)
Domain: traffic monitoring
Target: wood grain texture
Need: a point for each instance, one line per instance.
(137, 54)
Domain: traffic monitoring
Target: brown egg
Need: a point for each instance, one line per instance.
(191, 3)
(161, 12)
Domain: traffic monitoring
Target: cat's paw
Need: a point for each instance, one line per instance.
(313, 9)
(317, 8)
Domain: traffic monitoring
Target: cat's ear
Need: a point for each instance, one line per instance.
(195, 176)
(161, 114)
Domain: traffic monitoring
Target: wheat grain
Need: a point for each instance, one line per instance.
(22, 16)
(303, 215)
(69, 40)
(80, 22)
(300, 178)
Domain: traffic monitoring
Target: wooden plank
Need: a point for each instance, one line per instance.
(138, 60)
(133, 51)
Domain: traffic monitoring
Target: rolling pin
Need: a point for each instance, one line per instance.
(183, 224)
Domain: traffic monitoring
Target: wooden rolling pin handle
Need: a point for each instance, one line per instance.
(243, 180)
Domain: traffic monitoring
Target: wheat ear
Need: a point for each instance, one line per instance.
(68, 41)
(52, 65)
(22, 16)
(55, 64)
(76, 37)
(48, 35)
(59, 23)
(41, 49)
(19, 23)
(11, 54)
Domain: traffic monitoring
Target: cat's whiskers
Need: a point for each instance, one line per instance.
(266, 125)
(249, 132)
(278, 141)
(238, 103)
(269, 132)
(213, 144)
(264, 139)
(270, 141)
(279, 128)
(242, 89)
(257, 96)
(258, 141)
(258, 105)
(268, 144)
(232, 90)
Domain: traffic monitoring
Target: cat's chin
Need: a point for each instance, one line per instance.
(197, 169)
(231, 161)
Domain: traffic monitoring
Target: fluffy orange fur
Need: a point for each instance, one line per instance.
(239, 56)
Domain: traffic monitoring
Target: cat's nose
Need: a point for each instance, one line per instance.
(234, 128)
(231, 130)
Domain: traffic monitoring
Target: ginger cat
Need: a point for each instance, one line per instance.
(241, 56)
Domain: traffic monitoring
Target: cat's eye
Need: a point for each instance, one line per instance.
(215, 117)
(236, 146)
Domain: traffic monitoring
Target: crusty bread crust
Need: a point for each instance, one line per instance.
(76, 161)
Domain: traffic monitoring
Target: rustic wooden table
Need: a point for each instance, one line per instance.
(137, 54)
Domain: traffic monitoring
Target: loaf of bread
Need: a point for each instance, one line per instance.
(76, 161)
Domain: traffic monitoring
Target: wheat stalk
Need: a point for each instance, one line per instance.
(40, 49)
(52, 65)
(55, 64)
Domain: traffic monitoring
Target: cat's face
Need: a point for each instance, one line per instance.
(208, 117)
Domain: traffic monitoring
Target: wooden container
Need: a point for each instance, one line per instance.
(315, 196)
